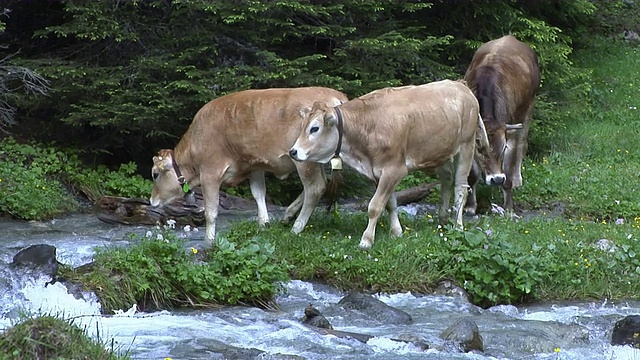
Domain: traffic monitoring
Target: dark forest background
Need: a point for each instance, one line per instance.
(117, 80)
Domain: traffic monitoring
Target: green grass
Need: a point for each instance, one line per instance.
(51, 337)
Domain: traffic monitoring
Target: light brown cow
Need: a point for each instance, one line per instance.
(240, 136)
(505, 77)
(389, 132)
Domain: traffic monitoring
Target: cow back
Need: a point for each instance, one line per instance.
(250, 130)
(505, 76)
(423, 123)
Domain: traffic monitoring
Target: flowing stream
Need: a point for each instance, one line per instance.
(542, 331)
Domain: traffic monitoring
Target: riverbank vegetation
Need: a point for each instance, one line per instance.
(51, 337)
(160, 272)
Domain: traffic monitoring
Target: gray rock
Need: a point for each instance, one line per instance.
(375, 309)
(465, 333)
(450, 288)
(417, 341)
(314, 317)
(40, 258)
(533, 336)
(627, 331)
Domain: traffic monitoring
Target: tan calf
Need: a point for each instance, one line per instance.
(240, 136)
(389, 132)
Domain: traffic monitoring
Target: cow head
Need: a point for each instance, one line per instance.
(492, 161)
(166, 187)
(319, 138)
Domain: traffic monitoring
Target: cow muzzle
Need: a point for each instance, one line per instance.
(296, 155)
(495, 179)
(154, 201)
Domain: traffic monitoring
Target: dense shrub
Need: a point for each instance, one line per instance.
(39, 182)
(159, 271)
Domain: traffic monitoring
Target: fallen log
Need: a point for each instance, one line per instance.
(132, 211)
(137, 211)
(403, 197)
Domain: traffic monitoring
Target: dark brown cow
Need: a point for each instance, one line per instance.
(240, 136)
(504, 75)
(389, 132)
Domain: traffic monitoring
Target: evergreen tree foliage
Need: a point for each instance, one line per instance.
(128, 76)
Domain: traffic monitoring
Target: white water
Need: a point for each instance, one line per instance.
(198, 334)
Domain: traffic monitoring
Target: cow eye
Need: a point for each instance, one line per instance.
(314, 129)
(155, 175)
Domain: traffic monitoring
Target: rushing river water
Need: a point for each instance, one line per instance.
(543, 331)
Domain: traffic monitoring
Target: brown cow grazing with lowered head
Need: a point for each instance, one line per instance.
(240, 136)
(504, 75)
(389, 132)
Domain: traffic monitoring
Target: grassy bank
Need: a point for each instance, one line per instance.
(51, 337)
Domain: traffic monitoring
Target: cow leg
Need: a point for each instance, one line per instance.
(387, 183)
(516, 149)
(211, 197)
(521, 145)
(315, 184)
(394, 221)
(463, 165)
(293, 208)
(471, 205)
(259, 192)
(445, 174)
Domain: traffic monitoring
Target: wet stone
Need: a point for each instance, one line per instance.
(314, 317)
(627, 332)
(465, 333)
(39, 257)
(375, 309)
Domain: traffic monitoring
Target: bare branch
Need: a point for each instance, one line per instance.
(14, 79)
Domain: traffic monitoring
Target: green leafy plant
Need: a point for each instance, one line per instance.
(125, 182)
(39, 182)
(30, 183)
(159, 271)
(492, 267)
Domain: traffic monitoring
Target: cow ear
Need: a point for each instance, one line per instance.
(330, 118)
(163, 163)
(305, 111)
(513, 128)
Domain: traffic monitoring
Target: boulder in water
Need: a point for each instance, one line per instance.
(314, 317)
(375, 309)
(627, 331)
(40, 258)
(465, 334)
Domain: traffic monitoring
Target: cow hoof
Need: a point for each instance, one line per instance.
(365, 245)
